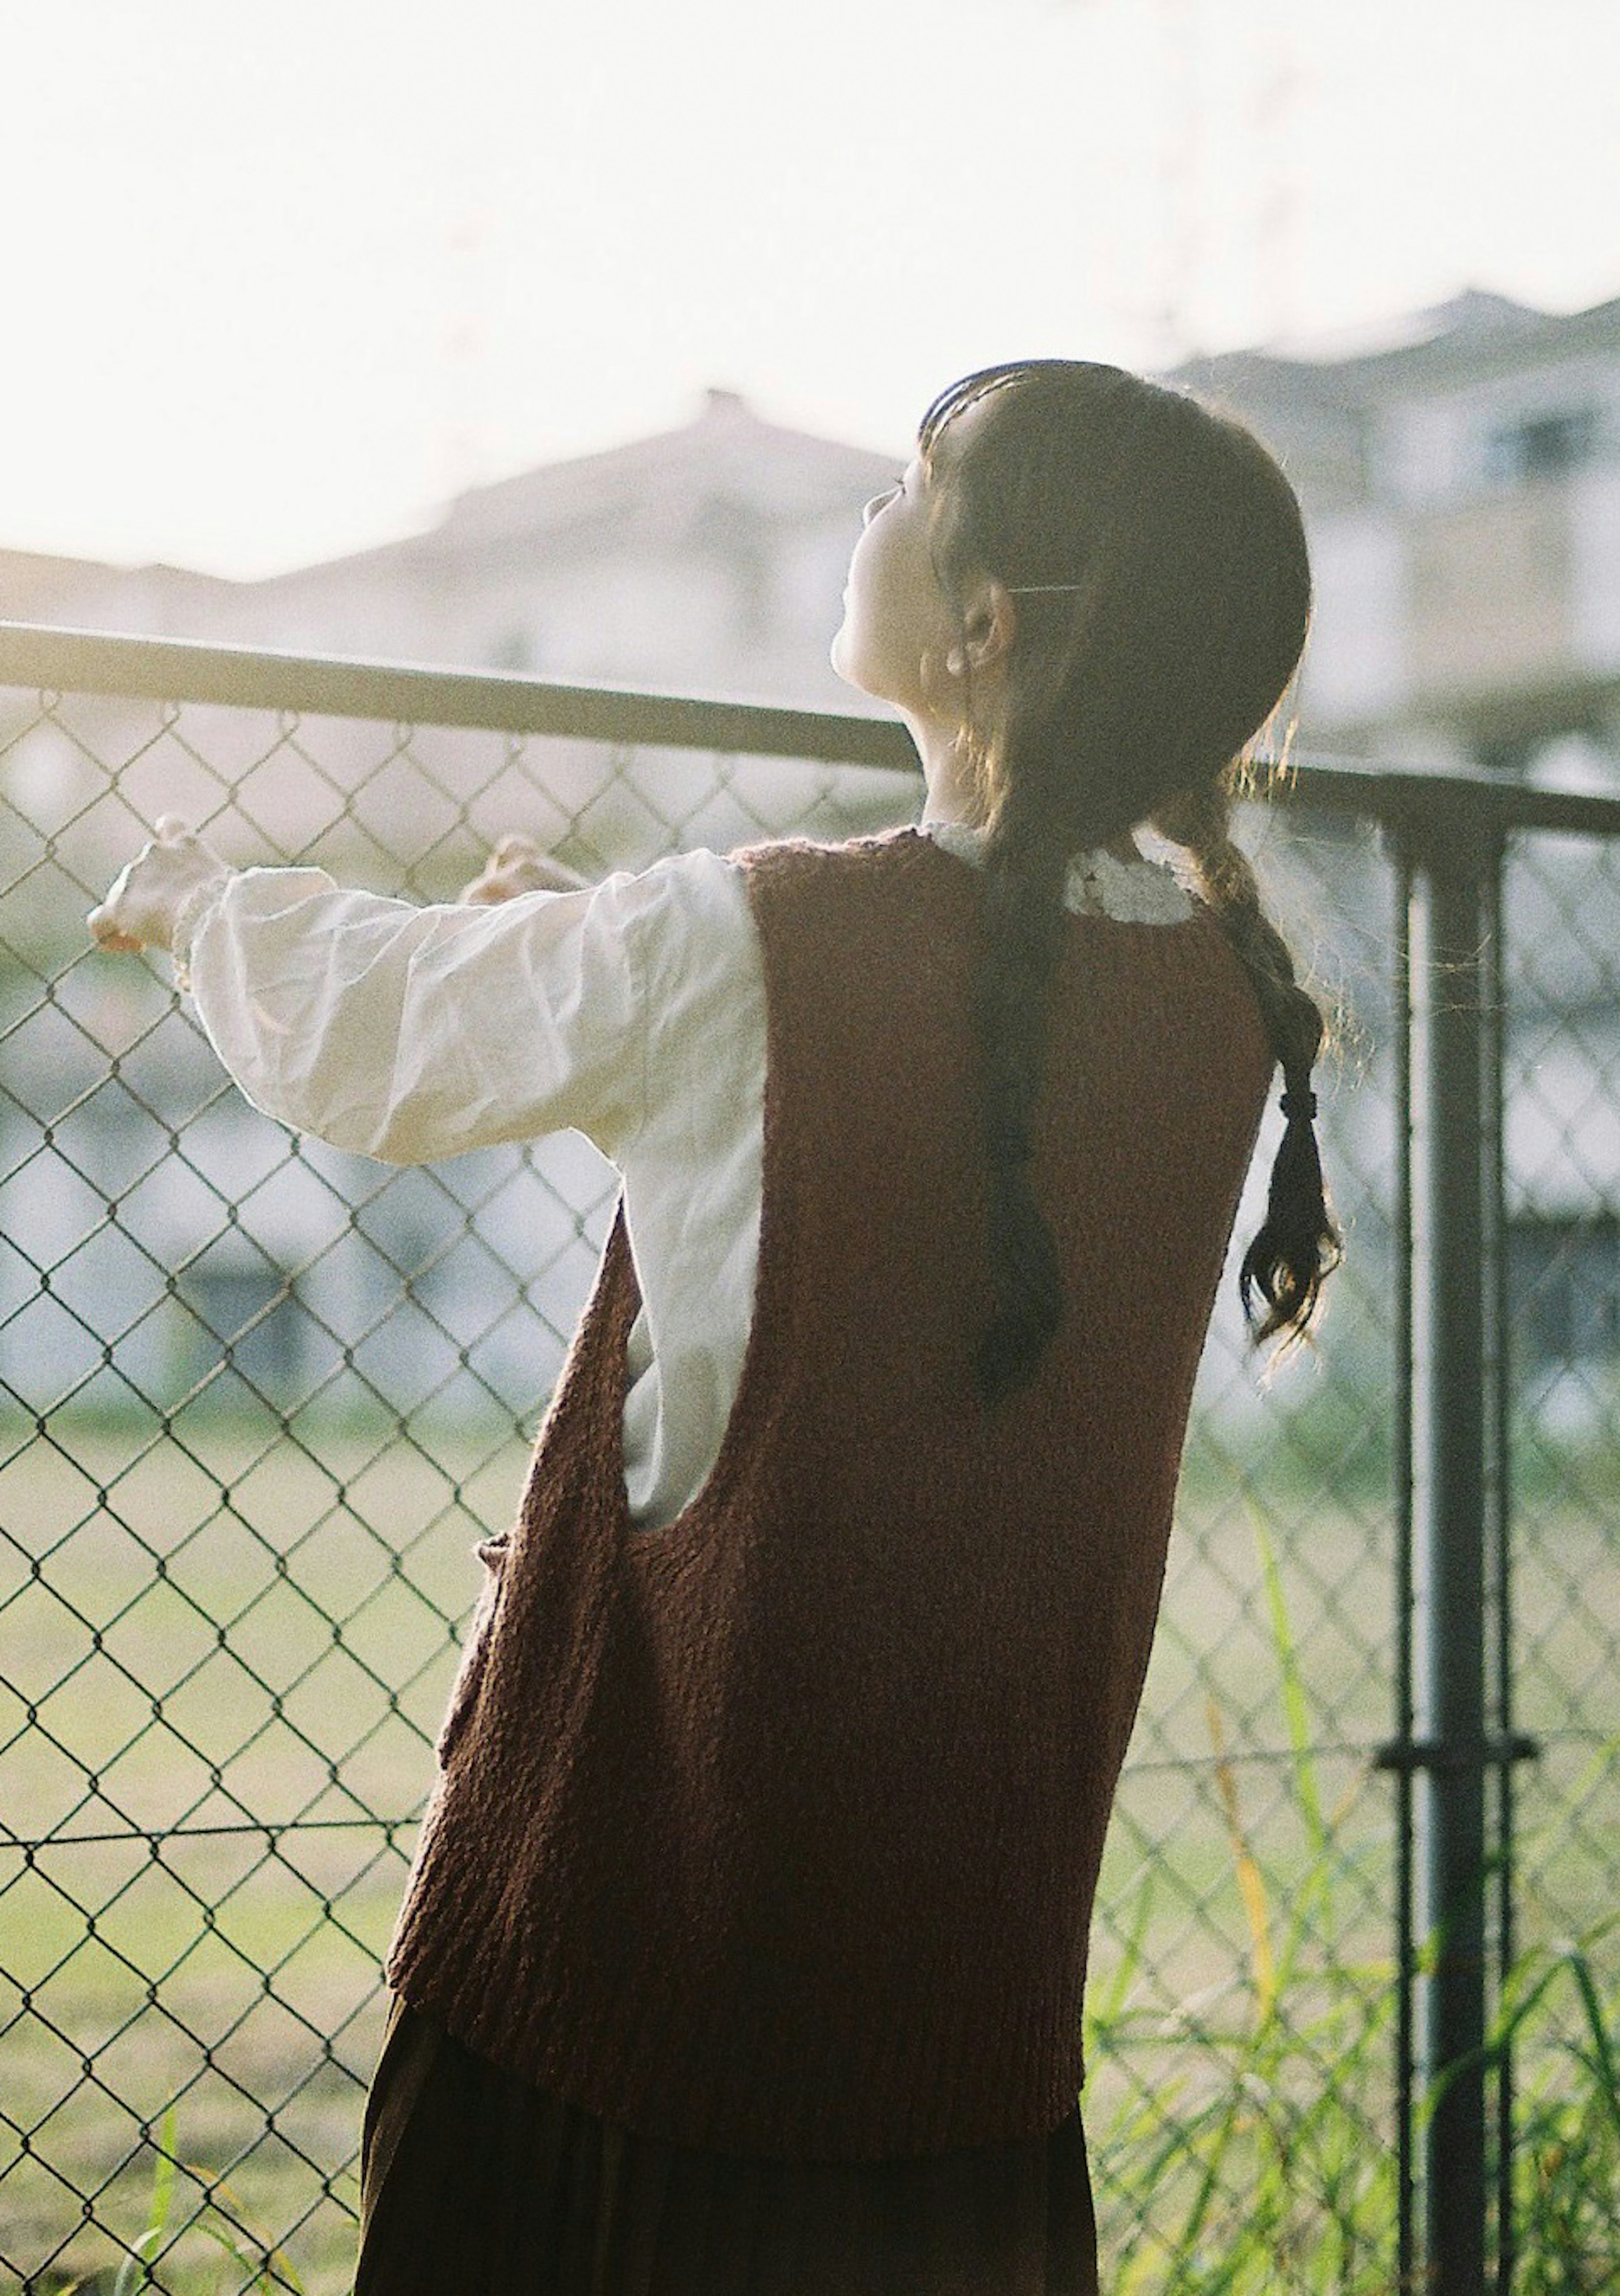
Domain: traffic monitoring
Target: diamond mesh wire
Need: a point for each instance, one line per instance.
(1240, 2096)
(1559, 1671)
(261, 1398)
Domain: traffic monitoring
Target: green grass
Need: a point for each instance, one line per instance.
(199, 2024)
(1243, 2144)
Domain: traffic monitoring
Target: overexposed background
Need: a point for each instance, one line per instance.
(280, 281)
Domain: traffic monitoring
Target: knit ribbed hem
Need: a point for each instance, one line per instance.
(909, 2088)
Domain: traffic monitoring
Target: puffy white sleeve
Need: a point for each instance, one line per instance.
(411, 1034)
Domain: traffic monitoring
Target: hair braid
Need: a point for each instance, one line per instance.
(1023, 914)
(1299, 1244)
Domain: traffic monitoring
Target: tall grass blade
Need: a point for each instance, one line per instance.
(1251, 1880)
(134, 2267)
(1600, 2062)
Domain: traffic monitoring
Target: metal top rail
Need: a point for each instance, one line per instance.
(181, 671)
(170, 669)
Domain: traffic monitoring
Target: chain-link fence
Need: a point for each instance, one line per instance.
(261, 1398)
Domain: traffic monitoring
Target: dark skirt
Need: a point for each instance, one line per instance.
(474, 2183)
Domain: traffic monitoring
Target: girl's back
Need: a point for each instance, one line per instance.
(859, 1712)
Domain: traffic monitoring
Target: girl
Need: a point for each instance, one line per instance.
(744, 1945)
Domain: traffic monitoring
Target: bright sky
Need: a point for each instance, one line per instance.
(281, 279)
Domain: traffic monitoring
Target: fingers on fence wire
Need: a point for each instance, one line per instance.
(104, 920)
(518, 865)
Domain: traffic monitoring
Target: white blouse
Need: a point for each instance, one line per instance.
(633, 1012)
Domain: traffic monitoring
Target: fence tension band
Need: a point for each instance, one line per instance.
(1413, 1754)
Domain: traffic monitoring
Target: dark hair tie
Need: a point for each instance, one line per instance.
(1299, 1107)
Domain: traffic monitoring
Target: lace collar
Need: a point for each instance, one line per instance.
(1132, 892)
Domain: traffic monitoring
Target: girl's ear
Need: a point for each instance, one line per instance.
(990, 624)
(971, 670)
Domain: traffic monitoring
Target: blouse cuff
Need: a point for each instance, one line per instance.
(188, 922)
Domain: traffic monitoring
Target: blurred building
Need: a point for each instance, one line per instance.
(1461, 482)
(1460, 476)
(707, 559)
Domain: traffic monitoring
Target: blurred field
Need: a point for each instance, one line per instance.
(228, 1656)
(231, 1639)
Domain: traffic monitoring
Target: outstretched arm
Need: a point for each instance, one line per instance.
(406, 1033)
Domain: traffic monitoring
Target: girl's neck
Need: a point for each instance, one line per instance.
(952, 794)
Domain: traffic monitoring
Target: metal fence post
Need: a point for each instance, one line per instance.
(1456, 1208)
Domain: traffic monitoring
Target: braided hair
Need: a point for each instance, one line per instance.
(1157, 556)
(1298, 1246)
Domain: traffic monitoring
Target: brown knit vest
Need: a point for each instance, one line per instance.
(776, 1830)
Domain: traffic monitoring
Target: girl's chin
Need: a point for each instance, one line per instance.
(840, 654)
(861, 677)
